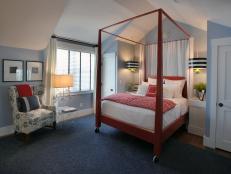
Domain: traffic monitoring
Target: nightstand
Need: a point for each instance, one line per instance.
(132, 92)
(196, 116)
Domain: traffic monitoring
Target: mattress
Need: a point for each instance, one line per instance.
(143, 118)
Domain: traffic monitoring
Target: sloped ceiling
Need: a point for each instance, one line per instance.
(82, 18)
(28, 23)
(196, 12)
(136, 6)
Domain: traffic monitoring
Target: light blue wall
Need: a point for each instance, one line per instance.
(18, 54)
(80, 101)
(215, 31)
(124, 52)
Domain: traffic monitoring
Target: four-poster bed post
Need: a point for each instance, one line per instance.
(98, 84)
(159, 135)
(159, 94)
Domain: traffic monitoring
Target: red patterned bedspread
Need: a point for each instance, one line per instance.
(140, 101)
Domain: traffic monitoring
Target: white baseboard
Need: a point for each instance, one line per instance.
(75, 114)
(7, 130)
(195, 130)
(207, 141)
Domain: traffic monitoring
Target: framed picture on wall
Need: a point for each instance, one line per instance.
(34, 71)
(12, 70)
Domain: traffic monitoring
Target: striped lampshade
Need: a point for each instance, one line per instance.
(199, 63)
(132, 64)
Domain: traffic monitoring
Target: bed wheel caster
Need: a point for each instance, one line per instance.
(155, 159)
(97, 130)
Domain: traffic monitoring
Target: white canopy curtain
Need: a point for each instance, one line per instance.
(175, 58)
(50, 64)
(141, 59)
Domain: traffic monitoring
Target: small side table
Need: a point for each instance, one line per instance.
(63, 113)
(196, 116)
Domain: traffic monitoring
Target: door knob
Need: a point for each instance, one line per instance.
(111, 90)
(220, 104)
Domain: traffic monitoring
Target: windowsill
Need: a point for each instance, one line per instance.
(81, 92)
(66, 94)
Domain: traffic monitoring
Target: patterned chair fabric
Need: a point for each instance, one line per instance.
(27, 122)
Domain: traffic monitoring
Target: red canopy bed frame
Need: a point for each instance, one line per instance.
(158, 137)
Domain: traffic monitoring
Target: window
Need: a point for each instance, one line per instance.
(80, 64)
(85, 71)
(92, 71)
(75, 70)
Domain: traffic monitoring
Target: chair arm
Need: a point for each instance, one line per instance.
(20, 115)
(51, 108)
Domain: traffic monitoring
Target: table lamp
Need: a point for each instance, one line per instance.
(63, 81)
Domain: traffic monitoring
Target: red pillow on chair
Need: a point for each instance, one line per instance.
(24, 90)
(151, 92)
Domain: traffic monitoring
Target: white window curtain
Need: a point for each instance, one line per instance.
(95, 77)
(50, 64)
(175, 56)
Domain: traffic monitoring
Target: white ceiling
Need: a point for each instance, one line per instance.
(197, 12)
(82, 18)
(28, 23)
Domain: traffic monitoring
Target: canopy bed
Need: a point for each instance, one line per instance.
(150, 118)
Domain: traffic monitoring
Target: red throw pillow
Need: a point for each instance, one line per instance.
(151, 92)
(24, 90)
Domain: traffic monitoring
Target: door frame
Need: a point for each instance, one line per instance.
(116, 66)
(215, 43)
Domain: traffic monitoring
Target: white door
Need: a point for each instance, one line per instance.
(223, 126)
(109, 67)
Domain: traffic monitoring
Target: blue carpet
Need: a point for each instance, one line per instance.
(74, 148)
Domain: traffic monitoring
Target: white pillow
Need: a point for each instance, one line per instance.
(151, 81)
(179, 84)
(142, 89)
(145, 83)
(169, 91)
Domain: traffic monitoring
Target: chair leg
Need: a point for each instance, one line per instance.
(54, 125)
(26, 138)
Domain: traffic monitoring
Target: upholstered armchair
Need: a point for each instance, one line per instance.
(27, 122)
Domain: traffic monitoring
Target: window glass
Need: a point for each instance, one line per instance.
(79, 64)
(92, 71)
(85, 71)
(75, 70)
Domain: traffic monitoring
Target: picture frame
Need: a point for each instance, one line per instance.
(12, 70)
(34, 71)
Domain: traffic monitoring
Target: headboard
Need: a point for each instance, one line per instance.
(184, 92)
